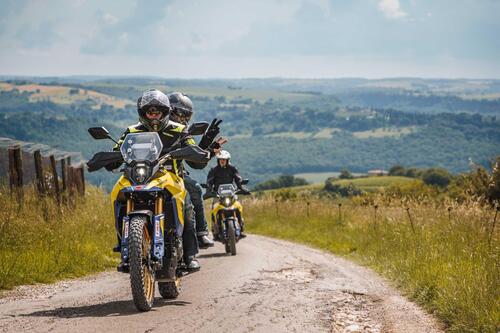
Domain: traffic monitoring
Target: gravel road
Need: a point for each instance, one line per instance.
(269, 286)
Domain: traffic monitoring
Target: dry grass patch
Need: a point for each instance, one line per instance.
(41, 243)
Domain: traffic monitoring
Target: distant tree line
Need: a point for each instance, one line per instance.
(281, 182)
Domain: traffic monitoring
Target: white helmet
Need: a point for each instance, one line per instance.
(224, 155)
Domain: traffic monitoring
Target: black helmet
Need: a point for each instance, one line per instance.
(182, 107)
(153, 98)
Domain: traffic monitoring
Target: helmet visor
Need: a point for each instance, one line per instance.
(154, 98)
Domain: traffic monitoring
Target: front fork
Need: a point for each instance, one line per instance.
(232, 218)
(158, 247)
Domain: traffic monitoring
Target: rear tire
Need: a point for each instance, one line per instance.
(231, 235)
(170, 289)
(142, 279)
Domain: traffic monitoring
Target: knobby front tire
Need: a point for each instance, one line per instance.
(142, 278)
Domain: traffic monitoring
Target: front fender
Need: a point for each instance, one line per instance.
(142, 212)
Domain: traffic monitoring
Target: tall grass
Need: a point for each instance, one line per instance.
(40, 242)
(441, 257)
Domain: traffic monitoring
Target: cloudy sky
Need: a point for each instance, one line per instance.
(252, 38)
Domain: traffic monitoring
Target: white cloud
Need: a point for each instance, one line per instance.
(391, 9)
(110, 19)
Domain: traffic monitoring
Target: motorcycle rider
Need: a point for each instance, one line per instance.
(225, 173)
(182, 111)
(154, 110)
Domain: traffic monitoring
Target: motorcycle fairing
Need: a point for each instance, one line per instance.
(162, 180)
(175, 186)
(218, 206)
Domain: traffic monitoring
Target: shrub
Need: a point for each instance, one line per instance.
(485, 185)
(437, 176)
(281, 182)
(397, 170)
(345, 174)
(344, 191)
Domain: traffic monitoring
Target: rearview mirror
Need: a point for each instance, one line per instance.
(198, 128)
(99, 133)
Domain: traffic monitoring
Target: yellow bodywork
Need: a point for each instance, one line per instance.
(163, 179)
(218, 206)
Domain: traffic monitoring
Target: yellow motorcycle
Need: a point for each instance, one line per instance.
(149, 200)
(226, 215)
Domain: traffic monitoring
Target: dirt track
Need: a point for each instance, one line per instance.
(270, 286)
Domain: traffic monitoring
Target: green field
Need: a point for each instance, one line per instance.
(371, 184)
(261, 95)
(320, 177)
(384, 132)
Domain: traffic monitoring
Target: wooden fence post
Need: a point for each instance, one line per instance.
(56, 180)
(64, 174)
(15, 168)
(77, 180)
(40, 181)
(71, 184)
(70, 176)
(82, 178)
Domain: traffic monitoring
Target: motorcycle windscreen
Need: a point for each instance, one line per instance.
(226, 190)
(145, 146)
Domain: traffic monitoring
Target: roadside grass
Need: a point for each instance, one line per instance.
(442, 259)
(40, 243)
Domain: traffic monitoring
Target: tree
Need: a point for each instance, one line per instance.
(437, 176)
(345, 174)
(280, 182)
(397, 170)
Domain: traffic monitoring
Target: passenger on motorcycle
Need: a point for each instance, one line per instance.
(182, 111)
(225, 173)
(154, 109)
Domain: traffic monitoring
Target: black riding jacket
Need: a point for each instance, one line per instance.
(219, 175)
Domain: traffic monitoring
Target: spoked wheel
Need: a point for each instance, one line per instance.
(231, 235)
(142, 278)
(170, 289)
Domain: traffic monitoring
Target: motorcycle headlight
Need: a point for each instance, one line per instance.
(140, 173)
(227, 202)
